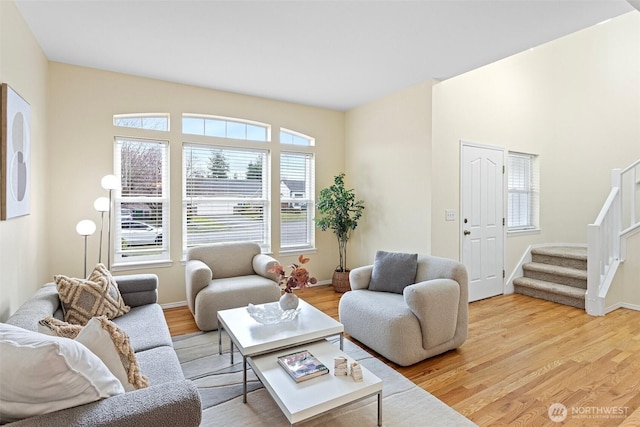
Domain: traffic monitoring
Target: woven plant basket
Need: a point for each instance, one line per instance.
(340, 281)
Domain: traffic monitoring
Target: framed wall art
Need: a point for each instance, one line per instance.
(15, 155)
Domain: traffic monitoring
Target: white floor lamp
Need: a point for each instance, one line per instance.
(102, 205)
(110, 183)
(85, 228)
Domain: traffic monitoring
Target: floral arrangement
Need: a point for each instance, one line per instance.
(298, 278)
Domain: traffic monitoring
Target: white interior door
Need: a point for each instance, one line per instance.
(482, 219)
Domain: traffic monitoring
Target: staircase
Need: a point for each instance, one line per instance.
(555, 273)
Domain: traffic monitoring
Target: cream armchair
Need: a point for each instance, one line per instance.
(227, 275)
(427, 318)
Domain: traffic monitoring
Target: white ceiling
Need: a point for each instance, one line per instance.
(333, 54)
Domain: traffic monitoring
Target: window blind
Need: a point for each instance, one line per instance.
(523, 200)
(296, 200)
(142, 203)
(225, 195)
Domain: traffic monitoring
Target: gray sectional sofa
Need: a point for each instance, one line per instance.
(170, 400)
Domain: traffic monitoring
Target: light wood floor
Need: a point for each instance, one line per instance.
(522, 355)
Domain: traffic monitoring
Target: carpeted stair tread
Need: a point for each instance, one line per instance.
(553, 273)
(556, 269)
(563, 256)
(557, 298)
(550, 287)
(572, 252)
(554, 292)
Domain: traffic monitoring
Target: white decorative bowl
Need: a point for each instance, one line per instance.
(271, 313)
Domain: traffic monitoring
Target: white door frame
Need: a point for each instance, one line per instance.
(465, 143)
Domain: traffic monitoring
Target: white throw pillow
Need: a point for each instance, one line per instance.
(106, 340)
(42, 374)
(111, 345)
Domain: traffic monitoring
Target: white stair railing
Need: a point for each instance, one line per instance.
(630, 193)
(618, 216)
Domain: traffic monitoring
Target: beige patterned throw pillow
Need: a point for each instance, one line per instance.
(83, 299)
(52, 326)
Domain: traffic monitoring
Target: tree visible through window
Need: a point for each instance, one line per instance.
(225, 195)
(142, 121)
(141, 205)
(218, 165)
(228, 184)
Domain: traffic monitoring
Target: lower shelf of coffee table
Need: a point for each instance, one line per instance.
(307, 399)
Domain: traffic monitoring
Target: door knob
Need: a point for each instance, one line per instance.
(467, 232)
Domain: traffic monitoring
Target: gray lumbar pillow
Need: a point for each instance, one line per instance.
(393, 271)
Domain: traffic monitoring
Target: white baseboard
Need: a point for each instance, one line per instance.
(631, 306)
(518, 271)
(322, 283)
(622, 305)
(174, 304)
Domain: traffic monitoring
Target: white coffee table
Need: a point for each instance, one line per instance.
(304, 400)
(252, 338)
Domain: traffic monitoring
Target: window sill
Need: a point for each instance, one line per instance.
(523, 232)
(141, 265)
(298, 251)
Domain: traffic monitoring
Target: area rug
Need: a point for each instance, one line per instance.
(220, 386)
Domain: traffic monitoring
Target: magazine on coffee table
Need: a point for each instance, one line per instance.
(302, 365)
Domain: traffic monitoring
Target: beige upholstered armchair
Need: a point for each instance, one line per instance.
(227, 275)
(407, 316)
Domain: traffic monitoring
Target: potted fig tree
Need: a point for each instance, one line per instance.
(341, 212)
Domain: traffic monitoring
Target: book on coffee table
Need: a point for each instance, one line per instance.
(302, 365)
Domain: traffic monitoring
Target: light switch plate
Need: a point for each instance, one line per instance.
(450, 214)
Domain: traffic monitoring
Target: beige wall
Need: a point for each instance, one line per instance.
(82, 104)
(631, 271)
(625, 289)
(388, 162)
(575, 102)
(23, 253)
